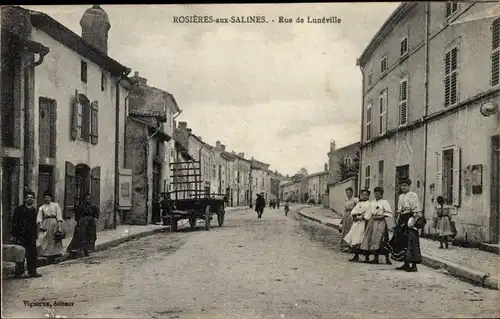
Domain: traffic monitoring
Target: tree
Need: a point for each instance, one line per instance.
(348, 170)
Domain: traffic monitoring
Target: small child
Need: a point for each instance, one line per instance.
(442, 223)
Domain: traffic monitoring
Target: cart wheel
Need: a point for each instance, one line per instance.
(220, 218)
(192, 222)
(207, 217)
(173, 224)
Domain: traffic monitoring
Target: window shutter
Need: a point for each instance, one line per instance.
(69, 189)
(94, 122)
(95, 188)
(74, 117)
(86, 122)
(456, 176)
(53, 129)
(439, 175)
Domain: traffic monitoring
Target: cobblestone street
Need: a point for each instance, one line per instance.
(275, 267)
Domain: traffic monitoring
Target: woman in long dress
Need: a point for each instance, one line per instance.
(442, 223)
(377, 233)
(85, 233)
(347, 221)
(405, 244)
(355, 235)
(50, 221)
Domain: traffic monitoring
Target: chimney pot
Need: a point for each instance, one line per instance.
(217, 144)
(183, 125)
(136, 74)
(189, 130)
(223, 147)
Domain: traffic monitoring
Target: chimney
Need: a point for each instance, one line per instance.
(183, 125)
(332, 145)
(138, 79)
(326, 167)
(241, 155)
(223, 147)
(189, 130)
(217, 145)
(95, 27)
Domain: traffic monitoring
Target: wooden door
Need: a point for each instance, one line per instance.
(495, 190)
(45, 182)
(402, 172)
(47, 127)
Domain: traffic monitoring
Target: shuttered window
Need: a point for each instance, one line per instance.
(94, 122)
(403, 102)
(369, 121)
(451, 8)
(383, 112)
(448, 183)
(367, 176)
(95, 187)
(451, 77)
(69, 190)
(404, 46)
(370, 79)
(84, 119)
(383, 65)
(495, 54)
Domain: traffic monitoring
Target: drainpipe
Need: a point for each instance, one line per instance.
(426, 101)
(362, 125)
(125, 128)
(117, 147)
(178, 113)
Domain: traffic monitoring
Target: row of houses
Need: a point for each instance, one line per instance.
(430, 100)
(74, 121)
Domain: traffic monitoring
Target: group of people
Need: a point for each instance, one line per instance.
(44, 224)
(365, 229)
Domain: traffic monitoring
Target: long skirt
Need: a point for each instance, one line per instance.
(413, 253)
(398, 245)
(355, 235)
(84, 236)
(376, 235)
(347, 222)
(48, 245)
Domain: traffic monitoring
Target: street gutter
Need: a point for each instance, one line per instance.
(464, 273)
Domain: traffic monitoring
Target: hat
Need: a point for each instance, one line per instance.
(47, 193)
(406, 181)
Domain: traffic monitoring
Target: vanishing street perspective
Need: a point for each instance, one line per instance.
(332, 160)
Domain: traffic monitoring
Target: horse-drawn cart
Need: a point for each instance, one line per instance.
(191, 201)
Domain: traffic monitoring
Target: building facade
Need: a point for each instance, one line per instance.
(65, 150)
(290, 191)
(261, 179)
(317, 184)
(181, 160)
(203, 154)
(422, 91)
(346, 154)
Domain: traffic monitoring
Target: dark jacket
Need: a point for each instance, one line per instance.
(24, 227)
(84, 211)
(167, 205)
(260, 202)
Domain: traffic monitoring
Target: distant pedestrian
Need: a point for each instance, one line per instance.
(260, 204)
(356, 234)
(278, 203)
(376, 232)
(50, 220)
(405, 244)
(347, 221)
(442, 223)
(85, 234)
(25, 233)
(167, 207)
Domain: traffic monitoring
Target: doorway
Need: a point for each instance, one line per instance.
(82, 172)
(45, 181)
(402, 172)
(10, 193)
(495, 190)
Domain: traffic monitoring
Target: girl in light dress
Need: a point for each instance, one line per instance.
(347, 221)
(50, 221)
(355, 235)
(442, 223)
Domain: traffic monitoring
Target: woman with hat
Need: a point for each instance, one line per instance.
(405, 245)
(50, 221)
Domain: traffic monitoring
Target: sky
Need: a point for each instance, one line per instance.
(277, 92)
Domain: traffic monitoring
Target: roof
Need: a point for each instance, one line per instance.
(153, 130)
(159, 115)
(384, 30)
(353, 145)
(73, 41)
(228, 156)
(241, 158)
(318, 174)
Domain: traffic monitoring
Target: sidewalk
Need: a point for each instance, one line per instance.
(473, 265)
(105, 239)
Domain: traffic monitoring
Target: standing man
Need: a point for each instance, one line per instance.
(260, 203)
(25, 234)
(166, 206)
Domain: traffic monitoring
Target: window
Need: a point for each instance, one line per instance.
(369, 121)
(451, 8)
(94, 120)
(158, 147)
(104, 81)
(172, 153)
(383, 112)
(383, 65)
(348, 161)
(83, 71)
(214, 171)
(381, 173)
(404, 46)
(451, 77)
(81, 118)
(448, 175)
(367, 176)
(370, 79)
(403, 102)
(495, 54)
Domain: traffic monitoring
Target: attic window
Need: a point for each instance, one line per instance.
(83, 71)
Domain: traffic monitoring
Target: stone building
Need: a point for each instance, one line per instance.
(241, 180)
(149, 130)
(426, 74)
(180, 161)
(290, 191)
(347, 154)
(261, 179)
(225, 162)
(63, 110)
(317, 184)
